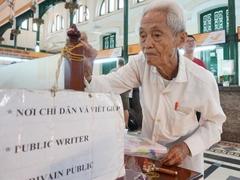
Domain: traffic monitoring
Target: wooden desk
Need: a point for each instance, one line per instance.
(183, 174)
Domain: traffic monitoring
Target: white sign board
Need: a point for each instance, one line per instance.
(74, 135)
(210, 38)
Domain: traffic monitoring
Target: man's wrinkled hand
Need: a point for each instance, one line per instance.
(89, 55)
(89, 51)
(176, 154)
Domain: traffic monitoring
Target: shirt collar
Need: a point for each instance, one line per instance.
(181, 75)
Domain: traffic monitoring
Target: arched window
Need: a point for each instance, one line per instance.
(108, 6)
(81, 15)
(53, 27)
(103, 8)
(34, 27)
(75, 17)
(120, 4)
(111, 5)
(109, 41)
(62, 22)
(24, 24)
(58, 22)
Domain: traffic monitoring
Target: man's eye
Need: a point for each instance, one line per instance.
(142, 35)
(157, 34)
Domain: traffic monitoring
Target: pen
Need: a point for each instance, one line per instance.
(166, 171)
(176, 105)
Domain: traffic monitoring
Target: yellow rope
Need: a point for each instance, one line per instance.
(67, 53)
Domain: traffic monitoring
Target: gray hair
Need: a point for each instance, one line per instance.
(175, 14)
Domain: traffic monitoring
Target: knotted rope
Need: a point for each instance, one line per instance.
(66, 52)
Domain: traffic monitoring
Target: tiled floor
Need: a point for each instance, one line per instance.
(222, 162)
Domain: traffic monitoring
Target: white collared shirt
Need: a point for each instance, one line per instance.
(169, 112)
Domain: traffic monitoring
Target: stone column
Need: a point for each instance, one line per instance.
(39, 22)
(14, 32)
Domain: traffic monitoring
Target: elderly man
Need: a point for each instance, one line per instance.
(172, 88)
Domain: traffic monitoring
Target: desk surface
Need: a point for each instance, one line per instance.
(136, 164)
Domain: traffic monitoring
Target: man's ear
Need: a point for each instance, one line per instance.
(181, 39)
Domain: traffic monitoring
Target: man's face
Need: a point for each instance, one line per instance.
(157, 40)
(190, 44)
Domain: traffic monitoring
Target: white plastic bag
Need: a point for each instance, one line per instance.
(142, 147)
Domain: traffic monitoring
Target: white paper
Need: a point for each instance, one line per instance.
(73, 135)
